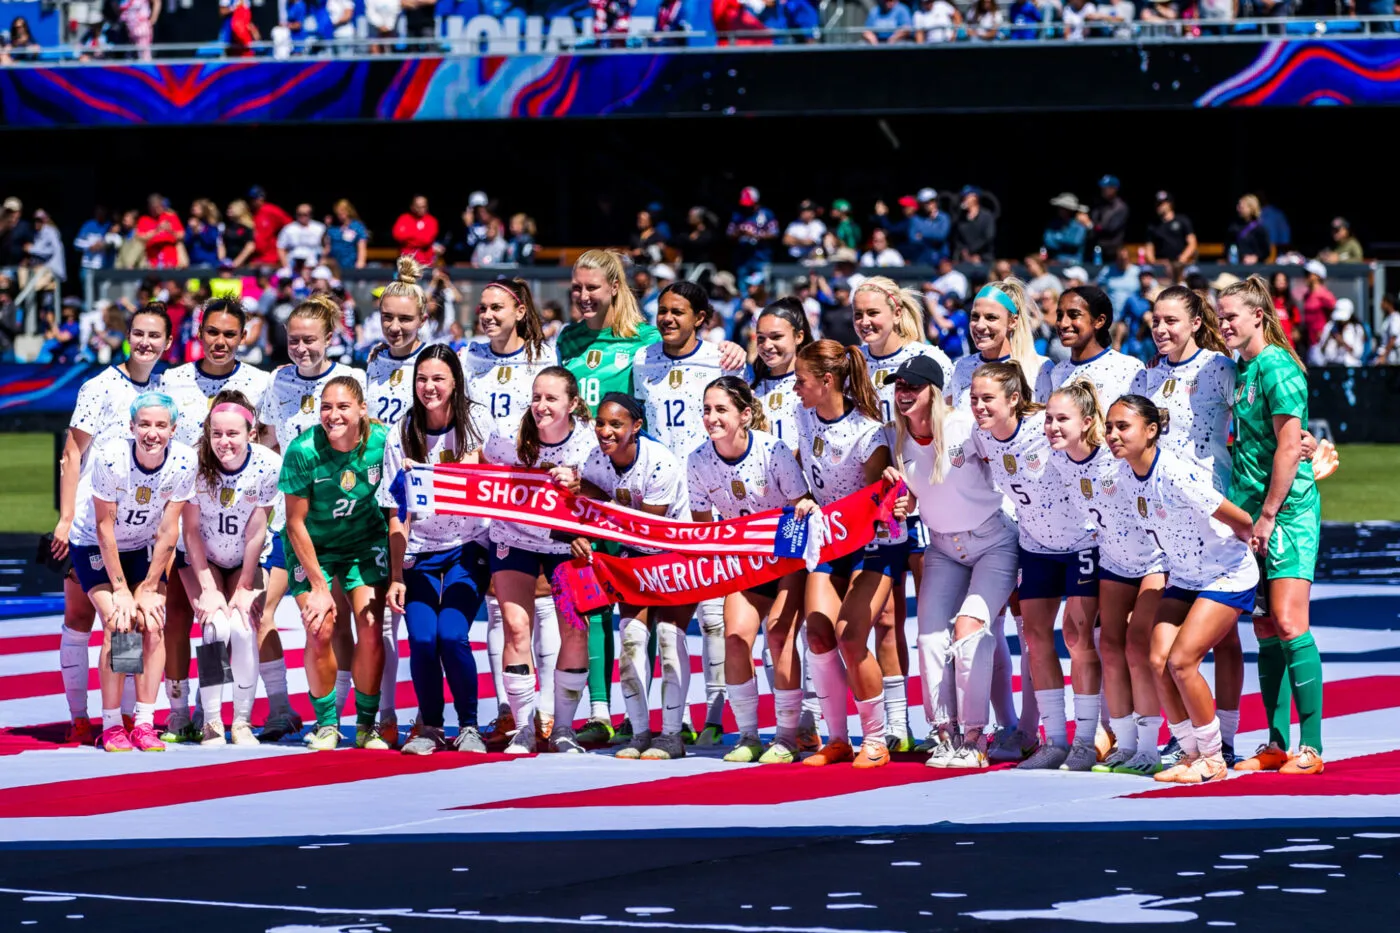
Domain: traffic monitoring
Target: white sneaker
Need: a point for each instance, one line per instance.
(970, 755)
(213, 733)
(242, 733)
(942, 752)
(523, 742)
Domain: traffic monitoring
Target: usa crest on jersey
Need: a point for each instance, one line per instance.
(956, 456)
(621, 359)
(374, 476)
(226, 496)
(1033, 460)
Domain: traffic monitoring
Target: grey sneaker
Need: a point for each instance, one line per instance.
(1082, 757)
(470, 740)
(523, 742)
(1118, 756)
(1046, 758)
(1012, 745)
(429, 739)
(665, 747)
(564, 741)
(279, 724)
(640, 742)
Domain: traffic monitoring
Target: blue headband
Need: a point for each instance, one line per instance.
(1000, 297)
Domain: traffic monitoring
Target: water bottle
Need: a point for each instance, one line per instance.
(1234, 254)
(1098, 255)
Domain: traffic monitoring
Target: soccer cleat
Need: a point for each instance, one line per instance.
(687, 733)
(179, 728)
(665, 747)
(1115, 758)
(242, 734)
(624, 733)
(748, 751)
(1171, 752)
(115, 739)
(1227, 752)
(1046, 758)
(544, 728)
(1204, 768)
(808, 740)
(836, 751)
(280, 723)
(969, 755)
(1082, 756)
(428, 739)
(388, 730)
(778, 754)
(213, 733)
(497, 735)
(523, 742)
(874, 753)
(637, 744)
(469, 740)
(1104, 741)
(1265, 758)
(563, 741)
(712, 734)
(1012, 745)
(1145, 763)
(595, 732)
(369, 737)
(80, 730)
(323, 739)
(144, 739)
(930, 743)
(1307, 761)
(942, 752)
(1173, 774)
(899, 743)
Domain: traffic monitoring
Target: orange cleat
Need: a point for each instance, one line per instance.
(1104, 742)
(1265, 758)
(497, 735)
(808, 740)
(873, 754)
(1174, 774)
(837, 751)
(80, 730)
(1307, 761)
(1203, 769)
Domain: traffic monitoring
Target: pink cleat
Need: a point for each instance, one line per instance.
(144, 738)
(115, 739)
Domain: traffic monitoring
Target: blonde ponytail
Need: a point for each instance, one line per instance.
(1254, 293)
(320, 308)
(406, 284)
(626, 315)
(937, 412)
(906, 305)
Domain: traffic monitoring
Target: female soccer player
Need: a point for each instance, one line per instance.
(438, 563)
(1213, 577)
(1131, 578)
(782, 329)
(554, 436)
(1271, 481)
(670, 379)
(970, 564)
(843, 448)
(336, 532)
(225, 530)
(635, 471)
(740, 471)
(1193, 386)
(193, 386)
(890, 324)
(500, 373)
(102, 414)
(1057, 556)
(291, 406)
(126, 532)
(1085, 315)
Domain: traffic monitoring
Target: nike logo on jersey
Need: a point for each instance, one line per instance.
(322, 479)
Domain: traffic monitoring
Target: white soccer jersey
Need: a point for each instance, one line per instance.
(767, 476)
(834, 454)
(780, 404)
(1111, 373)
(390, 382)
(1020, 466)
(225, 510)
(572, 451)
(1174, 503)
(194, 391)
(1194, 397)
(959, 390)
(653, 478)
(293, 404)
(103, 412)
(430, 533)
(882, 366)
(966, 497)
(504, 383)
(672, 391)
(1093, 490)
(141, 496)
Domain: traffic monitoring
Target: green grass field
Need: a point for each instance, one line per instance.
(1363, 489)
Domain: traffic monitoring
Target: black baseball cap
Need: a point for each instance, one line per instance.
(918, 371)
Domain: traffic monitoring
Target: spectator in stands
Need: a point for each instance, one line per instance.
(16, 234)
(302, 240)
(1026, 15)
(520, 249)
(1249, 240)
(612, 20)
(491, 250)
(1343, 340)
(1132, 325)
(1074, 15)
(1065, 235)
(881, 254)
(131, 252)
(46, 252)
(1119, 278)
(1318, 304)
(753, 228)
(1274, 220)
(950, 280)
(162, 233)
(1108, 220)
(984, 20)
(888, 21)
(204, 234)
(647, 245)
(846, 230)
(1159, 12)
(1347, 247)
(1172, 238)
(347, 240)
(268, 221)
(416, 231)
(459, 246)
(300, 20)
(698, 245)
(139, 17)
(1047, 339)
(974, 237)
(1290, 315)
(928, 232)
(1114, 18)
(21, 46)
(1037, 278)
(240, 233)
(1216, 12)
(94, 250)
(1388, 337)
(237, 30)
(803, 237)
(838, 317)
(936, 21)
(61, 343)
(420, 19)
(383, 18)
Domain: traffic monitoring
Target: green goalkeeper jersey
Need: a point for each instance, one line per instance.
(342, 515)
(600, 360)
(1268, 385)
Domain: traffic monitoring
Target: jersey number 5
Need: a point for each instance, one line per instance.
(1021, 495)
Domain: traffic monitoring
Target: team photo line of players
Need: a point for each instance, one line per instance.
(1094, 488)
